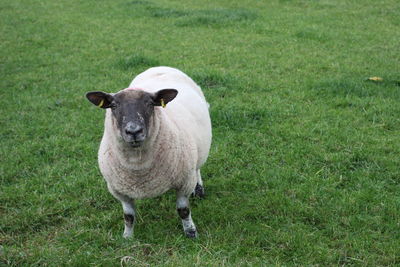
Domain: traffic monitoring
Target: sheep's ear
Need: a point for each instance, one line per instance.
(162, 97)
(100, 99)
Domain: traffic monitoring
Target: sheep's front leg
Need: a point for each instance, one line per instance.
(129, 217)
(128, 206)
(182, 206)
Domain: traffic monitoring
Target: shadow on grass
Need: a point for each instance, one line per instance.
(313, 35)
(194, 18)
(158, 12)
(139, 2)
(215, 17)
(239, 120)
(135, 61)
(213, 79)
(358, 88)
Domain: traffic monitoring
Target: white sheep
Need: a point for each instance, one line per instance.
(152, 144)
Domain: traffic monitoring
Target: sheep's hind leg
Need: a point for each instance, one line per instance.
(182, 206)
(199, 190)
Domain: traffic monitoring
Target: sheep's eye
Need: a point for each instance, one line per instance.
(113, 105)
(150, 102)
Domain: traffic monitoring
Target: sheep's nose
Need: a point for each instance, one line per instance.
(135, 131)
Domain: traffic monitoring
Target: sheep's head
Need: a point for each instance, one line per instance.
(131, 110)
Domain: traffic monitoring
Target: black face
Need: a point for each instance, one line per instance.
(132, 110)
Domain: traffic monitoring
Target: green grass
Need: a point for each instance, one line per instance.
(304, 167)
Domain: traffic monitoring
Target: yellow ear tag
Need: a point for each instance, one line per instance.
(101, 103)
(162, 102)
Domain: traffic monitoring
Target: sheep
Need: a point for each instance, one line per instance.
(157, 135)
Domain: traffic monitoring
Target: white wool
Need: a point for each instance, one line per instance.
(177, 146)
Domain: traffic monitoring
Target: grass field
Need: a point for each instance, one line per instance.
(304, 166)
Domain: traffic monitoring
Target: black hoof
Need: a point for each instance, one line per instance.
(199, 191)
(191, 233)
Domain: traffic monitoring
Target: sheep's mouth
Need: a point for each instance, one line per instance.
(135, 144)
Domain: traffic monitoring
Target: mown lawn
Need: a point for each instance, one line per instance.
(305, 163)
